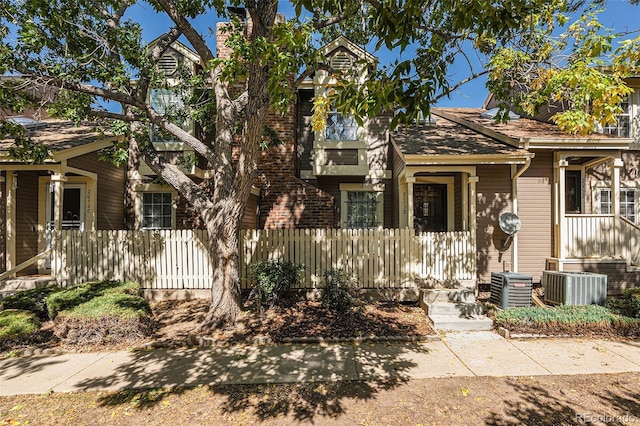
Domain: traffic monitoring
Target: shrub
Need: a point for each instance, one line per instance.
(75, 296)
(33, 300)
(339, 290)
(628, 305)
(16, 324)
(273, 278)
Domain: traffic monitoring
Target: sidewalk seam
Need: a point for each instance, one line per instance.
(444, 342)
(104, 355)
(528, 356)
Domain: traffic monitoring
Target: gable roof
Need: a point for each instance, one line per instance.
(343, 42)
(64, 139)
(448, 142)
(181, 48)
(527, 133)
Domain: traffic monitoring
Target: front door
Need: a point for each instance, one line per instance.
(430, 207)
(73, 208)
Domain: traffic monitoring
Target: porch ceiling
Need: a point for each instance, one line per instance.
(446, 141)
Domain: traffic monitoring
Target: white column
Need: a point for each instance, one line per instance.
(57, 181)
(410, 182)
(11, 184)
(465, 201)
(616, 165)
(561, 167)
(473, 207)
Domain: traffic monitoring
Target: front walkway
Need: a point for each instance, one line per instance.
(458, 354)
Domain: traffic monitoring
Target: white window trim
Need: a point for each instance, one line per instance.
(153, 188)
(362, 187)
(597, 186)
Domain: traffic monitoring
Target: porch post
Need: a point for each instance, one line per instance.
(616, 165)
(465, 201)
(410, 181)
(473, 227)
(11, 184)
(561, 168)
(57, 180)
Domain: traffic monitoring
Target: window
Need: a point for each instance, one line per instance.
(628, 203)
(363, 210)
(573, 191)
(622, 128)
(157, 210)
(168, 103)
(341, 127)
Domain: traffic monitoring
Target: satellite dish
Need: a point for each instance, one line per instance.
(509, 223)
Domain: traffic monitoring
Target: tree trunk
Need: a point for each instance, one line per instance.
(133, 165)
(226, 300)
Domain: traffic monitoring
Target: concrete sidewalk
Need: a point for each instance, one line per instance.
(457, 354)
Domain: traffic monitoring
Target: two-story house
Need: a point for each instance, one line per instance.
(456, 172)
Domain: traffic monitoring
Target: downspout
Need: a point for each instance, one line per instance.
(514, 194)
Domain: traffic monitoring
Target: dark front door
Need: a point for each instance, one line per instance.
(430, 207)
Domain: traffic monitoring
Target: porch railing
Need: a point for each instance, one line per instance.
(597, 236)
(385, 258)
(590, 236)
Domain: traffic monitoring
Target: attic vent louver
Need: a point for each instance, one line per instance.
(341, 61)
(168, 64)
(493, 112)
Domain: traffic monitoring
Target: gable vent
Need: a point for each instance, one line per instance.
(341, 61)
(168, 64)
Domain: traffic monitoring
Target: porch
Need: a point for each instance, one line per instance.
(596, 216)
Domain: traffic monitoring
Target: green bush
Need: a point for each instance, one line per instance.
(628, 305)
(70, 298)
(15, 324)
(273, 278)
(339, 290)
(33, 300)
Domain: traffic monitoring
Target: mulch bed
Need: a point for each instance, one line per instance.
(302, 319)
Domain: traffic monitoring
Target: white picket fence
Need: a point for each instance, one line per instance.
(380, 258)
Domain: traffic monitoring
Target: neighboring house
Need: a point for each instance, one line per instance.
(72, 189)
(577, 197)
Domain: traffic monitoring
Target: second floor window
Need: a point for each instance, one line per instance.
(341, 127)
(622, 128)
(168, 103)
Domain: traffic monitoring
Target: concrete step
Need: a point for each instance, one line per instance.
(455, 309)
(453, 323)
(454, 295)
(27, 282)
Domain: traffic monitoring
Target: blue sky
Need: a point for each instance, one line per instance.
(618, 14)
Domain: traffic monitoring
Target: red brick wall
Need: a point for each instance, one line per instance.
(285, 200)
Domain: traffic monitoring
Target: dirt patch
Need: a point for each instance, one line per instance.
(540, 400)
(176, 321)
